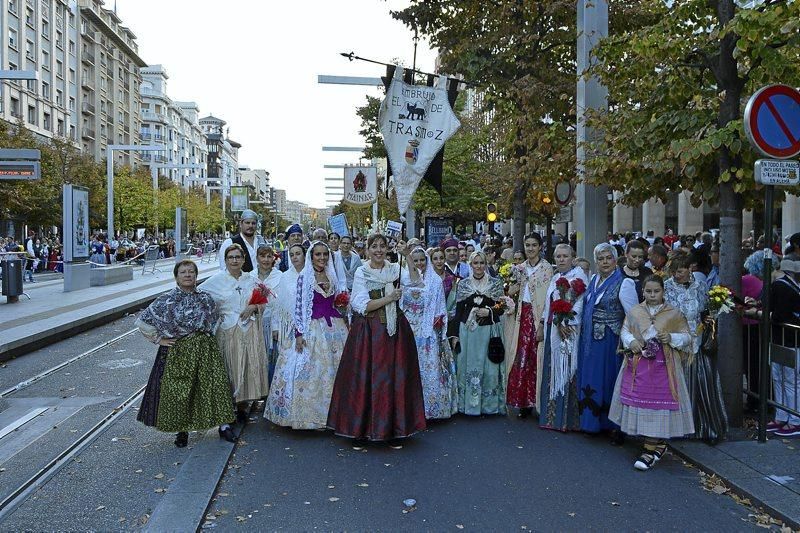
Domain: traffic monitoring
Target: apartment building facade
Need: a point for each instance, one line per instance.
(88, 67)
(40, 36)
(176, 126)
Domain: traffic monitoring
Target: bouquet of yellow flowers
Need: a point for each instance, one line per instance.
(720, 301)
(506, 272)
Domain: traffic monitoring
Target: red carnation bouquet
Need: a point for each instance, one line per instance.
(341, 302)
(260, 295)
(569, 293)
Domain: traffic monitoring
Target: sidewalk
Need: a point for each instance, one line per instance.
(768, 474)
(53, 314)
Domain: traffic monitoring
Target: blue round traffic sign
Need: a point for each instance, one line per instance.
(772, 121)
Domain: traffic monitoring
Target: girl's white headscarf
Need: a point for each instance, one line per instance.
(305, 288)
(434, 295)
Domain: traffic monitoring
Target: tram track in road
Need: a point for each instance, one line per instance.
(44, 474)
(41, 375)
(12, 499)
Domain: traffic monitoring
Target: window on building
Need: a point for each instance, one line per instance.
(72, 47)
(72, 132)
(29, 17)
(46, 90)
(32, 86)
(60, 128)
(60, 98)
(12, 6)
(72, 19)
(15, 112)
(45, 60)
(46, 123)
(60, 40)
(59, 68)
(72, 75)
(32, 115)
(29, 49)
(71, 103)
(13, 39)
(102, 131)
(45, 29)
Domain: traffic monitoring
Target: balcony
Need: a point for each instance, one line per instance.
(87, 57)
(110, 118)
(86, 34)
(87, 83)
(87, 133)
(127, 85)
(145, 136)
(88, 108)
(150, 116)
(159, 159)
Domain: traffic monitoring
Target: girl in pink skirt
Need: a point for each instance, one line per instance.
(650, 397)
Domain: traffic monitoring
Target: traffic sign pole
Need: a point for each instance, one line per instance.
(764, 377)
(772, 124)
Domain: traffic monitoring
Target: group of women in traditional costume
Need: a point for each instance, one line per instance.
(373, 350)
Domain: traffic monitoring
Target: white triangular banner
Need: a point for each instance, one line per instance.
(415, 122)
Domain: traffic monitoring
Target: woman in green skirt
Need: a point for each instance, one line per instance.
(188, 389)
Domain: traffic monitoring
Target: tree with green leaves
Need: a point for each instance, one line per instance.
(677, 85)
(521, 56)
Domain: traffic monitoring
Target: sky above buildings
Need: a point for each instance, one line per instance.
(254, 63)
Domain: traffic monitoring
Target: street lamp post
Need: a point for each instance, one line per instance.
(591, 221)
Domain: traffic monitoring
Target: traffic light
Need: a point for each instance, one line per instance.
(491, 212)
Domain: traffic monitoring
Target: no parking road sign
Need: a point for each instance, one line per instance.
(772, 121)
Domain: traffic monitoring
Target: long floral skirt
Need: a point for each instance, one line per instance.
(245, 357)
(522, 378)
(438, 371)
(481, 383)
(561, 412)
(188, 389)
(377, 394)
(301, 389)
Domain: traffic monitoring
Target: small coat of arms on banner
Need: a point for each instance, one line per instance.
(412, 152)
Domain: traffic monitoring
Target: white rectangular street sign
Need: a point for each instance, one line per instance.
(564, 215)
(777, 172)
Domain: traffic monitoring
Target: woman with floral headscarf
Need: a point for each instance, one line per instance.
(304, 375)
(423, 303)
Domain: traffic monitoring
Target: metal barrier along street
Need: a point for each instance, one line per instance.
(209, 253)
(150, 259)
(784, 362)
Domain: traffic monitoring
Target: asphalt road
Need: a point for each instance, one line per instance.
(479, 474)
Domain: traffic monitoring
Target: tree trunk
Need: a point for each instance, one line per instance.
(729, 332)
(520, 215)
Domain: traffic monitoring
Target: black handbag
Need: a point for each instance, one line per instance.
(496, 352)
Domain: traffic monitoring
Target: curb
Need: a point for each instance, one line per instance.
(738, 488)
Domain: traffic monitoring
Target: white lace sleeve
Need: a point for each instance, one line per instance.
(680, 341)
(625, 335)
(360, 296)
(627, 295)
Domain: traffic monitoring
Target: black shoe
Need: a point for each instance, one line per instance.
(524, 412)
(228, 435)
(182, 439)
(241, 416)
(617, 438)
